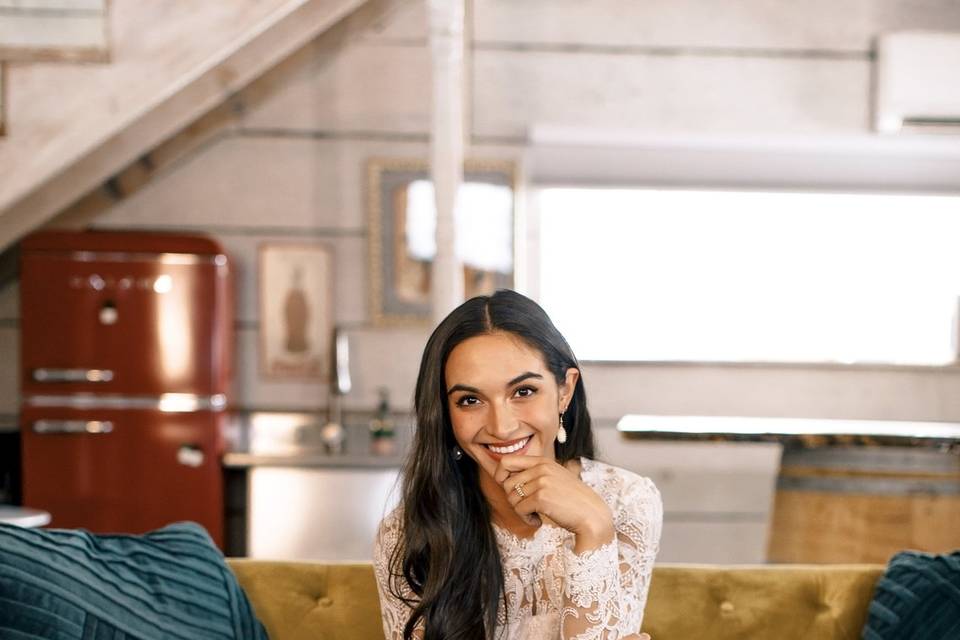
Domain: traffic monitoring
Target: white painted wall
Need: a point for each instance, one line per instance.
(294, 169)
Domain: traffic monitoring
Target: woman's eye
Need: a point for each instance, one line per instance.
(525, 392)
(464, 401)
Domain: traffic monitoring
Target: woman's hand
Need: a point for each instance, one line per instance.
(549, 489)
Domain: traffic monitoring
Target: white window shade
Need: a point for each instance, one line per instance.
(738, 276)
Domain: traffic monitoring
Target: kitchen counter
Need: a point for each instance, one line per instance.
(794, 432)
(274, 439)
(285, 487)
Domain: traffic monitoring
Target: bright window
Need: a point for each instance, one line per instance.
(696, 275)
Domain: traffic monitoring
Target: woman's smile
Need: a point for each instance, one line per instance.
(498, 450)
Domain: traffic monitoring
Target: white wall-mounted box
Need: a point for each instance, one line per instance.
(918, 81)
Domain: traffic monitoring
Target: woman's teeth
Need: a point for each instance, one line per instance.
(509, 449)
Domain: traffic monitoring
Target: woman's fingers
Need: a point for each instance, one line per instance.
(520, 485)
(509, 467)
(513, 464)
(529, 510)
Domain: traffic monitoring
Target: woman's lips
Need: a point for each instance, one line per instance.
(507, 445)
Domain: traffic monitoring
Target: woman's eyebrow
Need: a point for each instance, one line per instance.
(462, 387)
(523, 376)
(520, 378)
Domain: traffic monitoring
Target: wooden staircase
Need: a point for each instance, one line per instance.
(78, 110)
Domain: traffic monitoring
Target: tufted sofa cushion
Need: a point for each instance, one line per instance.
(786, 602)
(297, 601)
(309, 601)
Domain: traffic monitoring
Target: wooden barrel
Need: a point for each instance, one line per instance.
(864, 504)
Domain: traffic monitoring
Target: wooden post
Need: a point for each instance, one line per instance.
(446, 147)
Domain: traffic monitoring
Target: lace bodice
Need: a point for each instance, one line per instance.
(553, 593)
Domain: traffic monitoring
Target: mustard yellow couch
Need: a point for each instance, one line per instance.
(308, 601)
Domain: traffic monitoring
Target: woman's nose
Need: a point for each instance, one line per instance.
(503, 423)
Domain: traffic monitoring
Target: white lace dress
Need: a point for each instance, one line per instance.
(553, 593)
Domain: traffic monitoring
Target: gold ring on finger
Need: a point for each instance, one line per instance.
(519, 489)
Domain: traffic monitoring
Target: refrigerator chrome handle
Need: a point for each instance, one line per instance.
(72, 375)
(342, 382)
(93, 427)
(190, 455)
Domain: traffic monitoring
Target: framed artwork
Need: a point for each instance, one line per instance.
(296, 310)
(402, 218)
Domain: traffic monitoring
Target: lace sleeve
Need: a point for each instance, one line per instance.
(393, 610)
(606, 588)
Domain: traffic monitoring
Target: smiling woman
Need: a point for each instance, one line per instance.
(507, 527)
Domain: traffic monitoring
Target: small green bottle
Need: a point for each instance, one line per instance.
(382, 441)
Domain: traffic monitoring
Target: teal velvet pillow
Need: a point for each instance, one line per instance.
(918, 598)
(73, 585)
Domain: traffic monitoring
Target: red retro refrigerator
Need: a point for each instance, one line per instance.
(125, 357)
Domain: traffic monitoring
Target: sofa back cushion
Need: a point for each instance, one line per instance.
(301, 601)
(310, 601)
(787, 602)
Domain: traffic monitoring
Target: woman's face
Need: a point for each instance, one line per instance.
(503, 400)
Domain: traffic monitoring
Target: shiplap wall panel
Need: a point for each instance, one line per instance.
(264, 182)
(378, 88)
(699, 477)
(249, 389)
(664, 94)
(407, 23)
(54, 30)
(815, 25)
(366, 87)
(686, 24)
(247, 182)
(304, 97)
(386, 357)
(713, 542)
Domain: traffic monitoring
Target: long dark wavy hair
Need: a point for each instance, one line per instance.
(447, 554)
